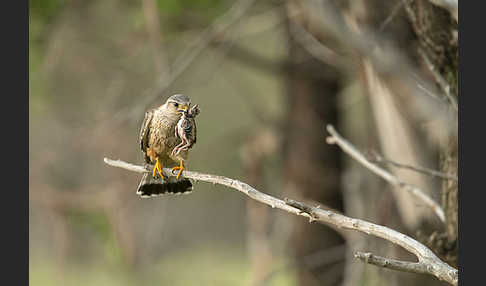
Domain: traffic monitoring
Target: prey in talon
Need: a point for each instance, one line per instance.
(186, 131)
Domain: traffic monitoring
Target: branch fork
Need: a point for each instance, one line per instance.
(429, 263)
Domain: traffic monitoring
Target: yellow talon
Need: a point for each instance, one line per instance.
(180, 168)
(158, 168)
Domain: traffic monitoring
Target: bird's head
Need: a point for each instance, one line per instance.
(177, 104)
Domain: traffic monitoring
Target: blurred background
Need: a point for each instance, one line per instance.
(268, 76)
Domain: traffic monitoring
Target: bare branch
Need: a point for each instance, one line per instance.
(400, 265)
(433, 265)
(446, 88)
(349, 149)
(377, 158)
(389, 62)
(392, 15)
(431, 94)
(316, 48)
(240, 186)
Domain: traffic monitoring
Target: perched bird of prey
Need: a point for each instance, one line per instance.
(158, 139)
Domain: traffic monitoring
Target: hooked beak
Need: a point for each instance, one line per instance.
(183, 108)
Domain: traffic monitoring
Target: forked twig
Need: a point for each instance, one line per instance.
(427, 260)
(352, 151)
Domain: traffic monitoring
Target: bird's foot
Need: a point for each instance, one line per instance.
(158, 169)
(181, 149)
(180, 168)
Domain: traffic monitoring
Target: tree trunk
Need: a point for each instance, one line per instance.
(436, 30)
(312, 168)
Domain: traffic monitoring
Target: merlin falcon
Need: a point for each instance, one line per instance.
(165, 144)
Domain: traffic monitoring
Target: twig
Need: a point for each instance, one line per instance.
(390, 63)
(446, 88)
(314, 47)
(433, 265)
(406, 266)
(349, 149)
(377, 158)
(431, 94)
(392, 15)
(240, 186)
(426, 258)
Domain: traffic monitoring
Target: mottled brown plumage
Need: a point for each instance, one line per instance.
(157, 141)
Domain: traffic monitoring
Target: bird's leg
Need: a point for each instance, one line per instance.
(176, 148)
(184, 147)
(180, 168)
(158, 168)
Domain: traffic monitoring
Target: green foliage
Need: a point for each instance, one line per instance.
(99, 226)
(218, 264)
(35, 60)
(177, 6)
(45, 10)
(184, 13)
(41, 14)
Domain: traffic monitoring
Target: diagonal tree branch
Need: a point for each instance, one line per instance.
(405, 266)
(444, 85)
(427, 259)
(374, 157)
(349, 149)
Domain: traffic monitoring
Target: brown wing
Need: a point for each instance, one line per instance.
(145, 130)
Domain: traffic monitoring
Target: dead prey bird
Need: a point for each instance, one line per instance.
(186, 130)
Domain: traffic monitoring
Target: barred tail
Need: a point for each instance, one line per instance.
(152, 187)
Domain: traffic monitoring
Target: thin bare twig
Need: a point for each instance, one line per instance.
(431, 94)
(349, 149)
(316, 48)
(433, 265)
(406, 266)
(389, 62)
(392, 15)
(444, 85)
(426, 258)
(377, 158)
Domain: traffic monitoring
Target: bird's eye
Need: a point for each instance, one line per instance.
(176, 104)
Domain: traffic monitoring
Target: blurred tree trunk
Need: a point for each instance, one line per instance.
(257, 147)
(312, 168)
(436, 30)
